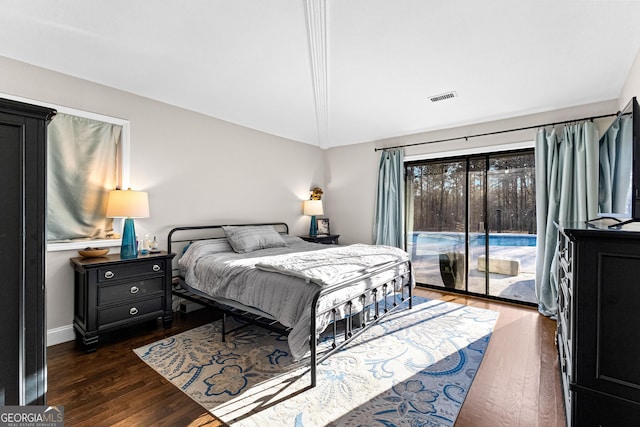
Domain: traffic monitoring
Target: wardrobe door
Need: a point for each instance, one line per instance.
(22, 252)
(10, 258)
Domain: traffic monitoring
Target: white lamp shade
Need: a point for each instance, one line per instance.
(312, 207)
(127, 204)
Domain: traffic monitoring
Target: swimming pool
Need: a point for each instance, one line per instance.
(442, 241)
(506, 239)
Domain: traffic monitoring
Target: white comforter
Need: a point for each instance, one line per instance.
(256, 280)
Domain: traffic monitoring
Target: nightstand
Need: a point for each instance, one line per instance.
(113, 293)
(327, 239)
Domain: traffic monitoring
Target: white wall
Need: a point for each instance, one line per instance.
(351, 177)
(631, 87)
(197, 169)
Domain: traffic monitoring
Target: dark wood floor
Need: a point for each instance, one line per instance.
(518, 383)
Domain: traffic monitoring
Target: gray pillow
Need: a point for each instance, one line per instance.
(249, 238)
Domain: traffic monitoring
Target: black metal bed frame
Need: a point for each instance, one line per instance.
(375, 300)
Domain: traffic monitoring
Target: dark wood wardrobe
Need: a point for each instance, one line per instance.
(23, 174)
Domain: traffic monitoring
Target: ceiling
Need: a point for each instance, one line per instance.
(335, 72)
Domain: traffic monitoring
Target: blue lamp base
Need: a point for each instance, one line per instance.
(129, 248)
(313, 227)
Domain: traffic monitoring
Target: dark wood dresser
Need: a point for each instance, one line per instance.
(112, 293)
(598, 339)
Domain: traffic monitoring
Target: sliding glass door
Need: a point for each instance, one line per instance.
(471, 223)
(437, 215)
(511, 210)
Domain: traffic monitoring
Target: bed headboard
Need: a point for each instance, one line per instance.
(180, 237)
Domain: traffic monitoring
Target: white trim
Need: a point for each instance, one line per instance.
(60, 335)
(81, 244)
(316, 22)
(474, 150)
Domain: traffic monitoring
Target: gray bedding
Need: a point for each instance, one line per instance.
(282, 281)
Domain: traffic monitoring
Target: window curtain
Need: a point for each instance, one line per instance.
(615, 168)
(566, 191)
(389, 219)
(82, 168)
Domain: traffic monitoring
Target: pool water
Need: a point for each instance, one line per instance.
(505, 239)
(448, 239)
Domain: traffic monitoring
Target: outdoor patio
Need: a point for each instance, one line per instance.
(520, 287)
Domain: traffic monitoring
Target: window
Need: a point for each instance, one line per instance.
(471, 223)
(122, 169)
(82, 166)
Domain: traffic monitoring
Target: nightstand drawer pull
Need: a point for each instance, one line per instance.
(134, 289)
(108, 274)
(156, 267)
(133, 311)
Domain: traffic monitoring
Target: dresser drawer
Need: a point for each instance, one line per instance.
(566, 364)
(565, 319)
(108, 294)
(127, 312)
(565, 249)
(130, 270)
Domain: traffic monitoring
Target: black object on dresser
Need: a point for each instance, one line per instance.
(112, 293)
(326, 239)
(599, 324)
(23, 173)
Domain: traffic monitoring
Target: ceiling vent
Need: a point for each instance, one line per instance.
(443, 96)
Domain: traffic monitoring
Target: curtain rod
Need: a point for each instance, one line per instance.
(497, 132)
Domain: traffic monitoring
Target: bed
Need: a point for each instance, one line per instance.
(263, 275)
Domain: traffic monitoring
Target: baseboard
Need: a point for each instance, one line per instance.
(60, 335)
(66, 333)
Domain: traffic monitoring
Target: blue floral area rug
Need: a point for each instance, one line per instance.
(412, 369)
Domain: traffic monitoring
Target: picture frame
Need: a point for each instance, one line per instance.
(323, 226)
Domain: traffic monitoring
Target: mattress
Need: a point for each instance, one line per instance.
(265, 279)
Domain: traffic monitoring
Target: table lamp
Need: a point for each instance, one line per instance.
(128, 204)
(313, 208)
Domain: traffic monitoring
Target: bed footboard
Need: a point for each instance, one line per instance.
(377, 302)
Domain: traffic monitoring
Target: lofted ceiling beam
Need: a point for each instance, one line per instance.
(316, 21)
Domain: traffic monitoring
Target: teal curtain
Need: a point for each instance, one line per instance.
(388, 221)
(616, 156)
(566, 190)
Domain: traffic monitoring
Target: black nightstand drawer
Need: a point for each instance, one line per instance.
(130, 270)
(109, 294)
(126, 312)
